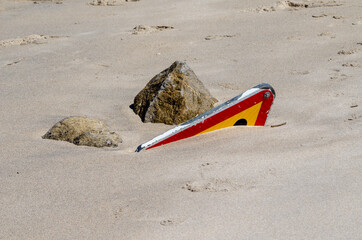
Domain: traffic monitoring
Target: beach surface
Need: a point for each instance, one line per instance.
(301, 180)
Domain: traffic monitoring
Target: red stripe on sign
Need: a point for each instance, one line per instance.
(223, 115)
(264, 110)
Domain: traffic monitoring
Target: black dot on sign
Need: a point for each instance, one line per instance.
(241, 122)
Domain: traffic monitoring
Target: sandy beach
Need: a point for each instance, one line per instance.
(301, 180)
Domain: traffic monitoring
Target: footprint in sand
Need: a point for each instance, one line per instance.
(293, 6)
(294, 38)
(217, 185)
(351, 64)
(310, 4)
(354, 116)
(296, 72)
(339, 77)
(327, 34)
(42, 1)
(143, 29)
(171, 222)
(319, 16)
(338, 17)
(218, 37)
(14, 62)
(347, 52)
(109, 2)
(208, 164)
(31, 39)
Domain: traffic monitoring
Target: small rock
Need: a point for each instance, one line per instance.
(83, 131)
(173, 96)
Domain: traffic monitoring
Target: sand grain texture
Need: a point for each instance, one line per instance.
(302, 180)
(31, 39)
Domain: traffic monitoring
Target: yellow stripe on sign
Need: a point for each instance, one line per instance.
(250, 115)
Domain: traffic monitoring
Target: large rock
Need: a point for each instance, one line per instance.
(173, 96)
(83, 131)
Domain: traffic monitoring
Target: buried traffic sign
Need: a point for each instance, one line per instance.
(250, 108)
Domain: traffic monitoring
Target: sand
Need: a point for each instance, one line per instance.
(300, 180)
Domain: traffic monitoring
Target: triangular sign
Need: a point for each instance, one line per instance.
(250, 108)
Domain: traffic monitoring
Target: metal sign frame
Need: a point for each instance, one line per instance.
(250, 108)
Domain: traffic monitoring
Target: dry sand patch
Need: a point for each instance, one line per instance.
(212, 185)
(55, 190)
(31, 39)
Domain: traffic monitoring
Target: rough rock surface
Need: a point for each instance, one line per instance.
(173, 96)
(83, 131)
